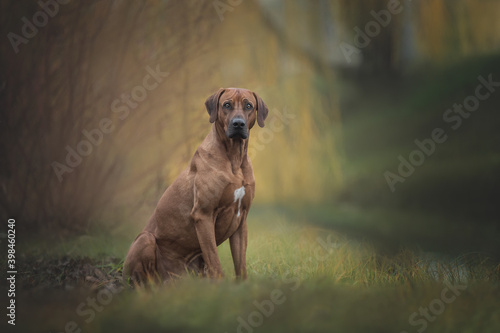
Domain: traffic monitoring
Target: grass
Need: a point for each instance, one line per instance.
(302, 278)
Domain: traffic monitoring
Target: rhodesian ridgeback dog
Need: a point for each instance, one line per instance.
(209, 201)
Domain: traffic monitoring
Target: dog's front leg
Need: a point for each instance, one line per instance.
(206, 236)
(202, 215)
(238, 242)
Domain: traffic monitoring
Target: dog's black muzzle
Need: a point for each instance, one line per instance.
(237, 128)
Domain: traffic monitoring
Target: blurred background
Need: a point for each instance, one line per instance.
(350, 86)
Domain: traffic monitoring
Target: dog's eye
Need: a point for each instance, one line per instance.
(227, 105)
(249, 106)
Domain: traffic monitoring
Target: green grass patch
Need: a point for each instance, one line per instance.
(301, 277)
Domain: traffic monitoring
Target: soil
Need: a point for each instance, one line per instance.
(69, 273)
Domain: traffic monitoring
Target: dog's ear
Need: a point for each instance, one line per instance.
(262, 110)
(212, 104)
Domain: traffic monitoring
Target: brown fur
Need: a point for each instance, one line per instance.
(198, 210)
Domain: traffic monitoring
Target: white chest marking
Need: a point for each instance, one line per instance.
(238, 195)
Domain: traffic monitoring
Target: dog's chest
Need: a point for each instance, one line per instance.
(239, 194)
(234, 205)
(237, 198)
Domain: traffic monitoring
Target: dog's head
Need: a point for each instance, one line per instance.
(236, 110)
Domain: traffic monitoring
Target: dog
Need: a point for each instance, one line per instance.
(207, 203)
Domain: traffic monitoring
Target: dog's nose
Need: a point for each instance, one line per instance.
(239, 123)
